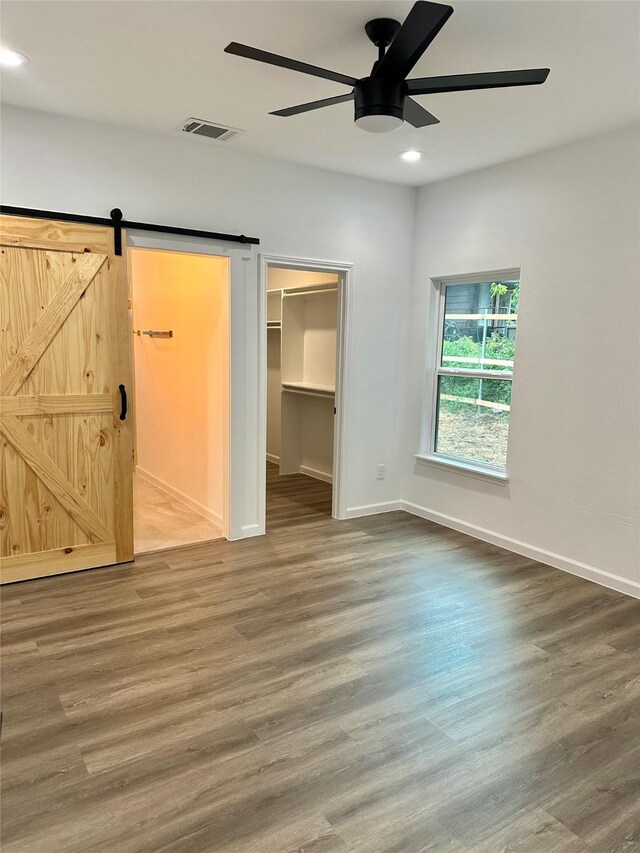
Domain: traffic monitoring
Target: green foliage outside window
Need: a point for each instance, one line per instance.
(497, 347)
(498, 288)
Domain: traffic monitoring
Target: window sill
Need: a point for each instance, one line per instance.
(467, 468)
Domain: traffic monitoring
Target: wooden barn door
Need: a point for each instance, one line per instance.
(66, 466)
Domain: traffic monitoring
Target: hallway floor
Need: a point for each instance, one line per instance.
(161, 521)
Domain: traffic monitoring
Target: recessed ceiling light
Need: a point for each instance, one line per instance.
(11, 58)
(411, 156)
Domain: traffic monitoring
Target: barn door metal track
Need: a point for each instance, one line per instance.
(117, 222)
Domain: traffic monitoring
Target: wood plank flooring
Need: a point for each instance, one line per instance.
(379, 684)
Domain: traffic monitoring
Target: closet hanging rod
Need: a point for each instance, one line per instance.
(309, 292)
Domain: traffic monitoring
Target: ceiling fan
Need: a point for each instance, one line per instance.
(383, 99)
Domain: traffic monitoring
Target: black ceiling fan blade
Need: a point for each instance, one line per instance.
(422, 25)
(470, 82)
(312, 105)
(417, 115)
(285, 62)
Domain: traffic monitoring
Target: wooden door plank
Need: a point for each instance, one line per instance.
(123, 430)
(60, 487)
(32, 519)
(56, 404)
(54, 315)
(52, 234)
(44, 563)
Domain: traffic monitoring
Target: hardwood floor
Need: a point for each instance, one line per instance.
(378, 684)
(295, 500)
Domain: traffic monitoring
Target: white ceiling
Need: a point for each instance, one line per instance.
(153, 64)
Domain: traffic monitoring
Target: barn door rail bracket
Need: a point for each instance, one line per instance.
(117, 222)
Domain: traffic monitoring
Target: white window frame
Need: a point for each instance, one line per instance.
(431, 455)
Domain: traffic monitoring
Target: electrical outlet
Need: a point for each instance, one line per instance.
(380, 474)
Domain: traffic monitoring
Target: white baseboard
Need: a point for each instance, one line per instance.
(249, 530)
(271, 457)
(209, 514)
(566, 564)
(373, 509)
(318, 475)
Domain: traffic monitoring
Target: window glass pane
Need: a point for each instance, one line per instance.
(473, 418)
(480, 325)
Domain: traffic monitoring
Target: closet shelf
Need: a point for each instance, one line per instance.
(309, 388)
(274, 324)
(318, 290)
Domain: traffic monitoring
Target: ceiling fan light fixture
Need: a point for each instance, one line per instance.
(379, 123)
(379, 105)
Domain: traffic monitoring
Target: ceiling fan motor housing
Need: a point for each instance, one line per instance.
(379, 96)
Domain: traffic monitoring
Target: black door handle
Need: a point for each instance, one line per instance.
(123, 402)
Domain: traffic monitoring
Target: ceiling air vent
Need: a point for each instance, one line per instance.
(209, 130)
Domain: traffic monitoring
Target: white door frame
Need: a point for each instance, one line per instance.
(238, 479)
(343, 362)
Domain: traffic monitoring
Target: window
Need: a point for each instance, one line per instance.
(474, 370)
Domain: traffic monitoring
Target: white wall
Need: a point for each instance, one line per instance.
(57, 163)
(182, 382)
(569, 219)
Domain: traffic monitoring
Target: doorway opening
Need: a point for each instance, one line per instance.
(180, 322)
(305, 309)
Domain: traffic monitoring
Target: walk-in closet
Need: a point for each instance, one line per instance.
(302, 313)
